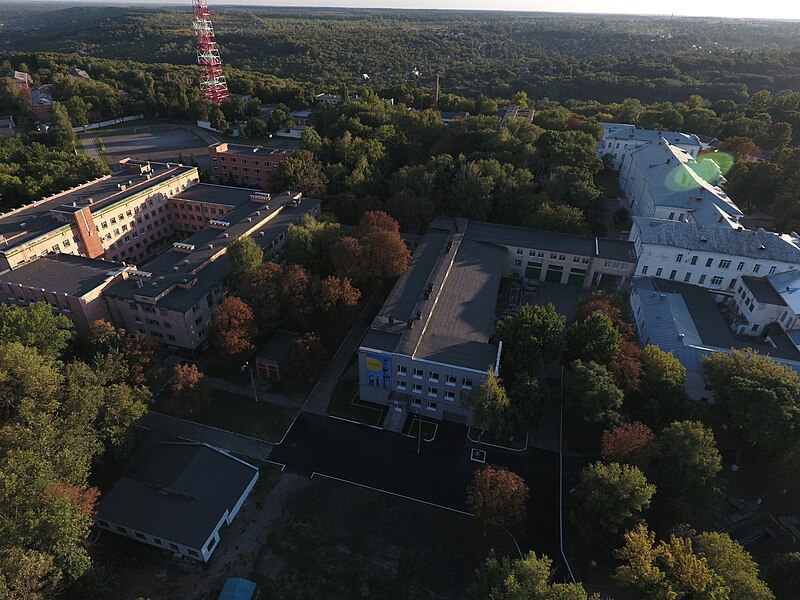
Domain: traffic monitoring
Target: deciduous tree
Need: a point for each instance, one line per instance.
(232, 329)
(37, 327)
(186, 385)
(783, 575)
(592, 397)
(302, 172)
(595, 338)
(688, 466)
(662, 397)
(760, 396)
(667, 570)
(497, 496)
(631, 443)
(609, 500)
(245, 255)
(733, 564)
(306, 360)
(531, 338)
(522, 579)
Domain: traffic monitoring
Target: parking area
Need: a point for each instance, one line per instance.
(160, 143)
(436, 472)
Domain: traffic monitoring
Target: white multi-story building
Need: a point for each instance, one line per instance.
(686, 320)
(708, 255)
(620, 139)
(765, 302)
(662, 181)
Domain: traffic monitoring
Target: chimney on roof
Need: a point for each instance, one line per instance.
(410, 323)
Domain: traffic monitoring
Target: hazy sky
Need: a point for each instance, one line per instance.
(766, 9)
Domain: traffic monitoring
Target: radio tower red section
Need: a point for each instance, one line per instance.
(212, 79)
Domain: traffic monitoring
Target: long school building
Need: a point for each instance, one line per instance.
(432, 341)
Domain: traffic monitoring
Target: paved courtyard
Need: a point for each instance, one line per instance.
(161, 143)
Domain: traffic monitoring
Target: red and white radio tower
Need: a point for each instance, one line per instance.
(212, 79)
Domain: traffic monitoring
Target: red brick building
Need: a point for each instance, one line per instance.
(247, 166)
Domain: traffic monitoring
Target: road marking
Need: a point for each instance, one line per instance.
(276, 463)
(354, 422)
(411, 428)
(507, 448)
(374, 489)
(202, 426)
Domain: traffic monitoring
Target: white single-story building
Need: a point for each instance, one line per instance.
(178, 498)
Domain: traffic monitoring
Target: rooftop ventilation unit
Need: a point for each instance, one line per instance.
(183, 247)
(219, 224)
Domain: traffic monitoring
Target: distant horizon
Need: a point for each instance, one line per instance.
(734, 9)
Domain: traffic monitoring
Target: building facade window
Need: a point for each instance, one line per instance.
(716, 280)
(724, 264)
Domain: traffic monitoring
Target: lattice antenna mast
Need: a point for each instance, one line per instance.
(212, 80)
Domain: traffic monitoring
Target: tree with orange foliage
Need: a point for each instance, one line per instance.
(185, 385)
(498, 496)
(83, 499)
(306, 360)
(610, 305)
(377, 220)
(631, 443)
(232, 329)
(335, 292)
(627, 367)
(376, 252)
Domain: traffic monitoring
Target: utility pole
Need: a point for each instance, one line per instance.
(252, 379)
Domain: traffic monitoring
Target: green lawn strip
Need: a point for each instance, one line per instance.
(239, 414)
(344, 403)
(336, 540)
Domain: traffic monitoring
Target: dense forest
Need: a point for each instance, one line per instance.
(560, 57)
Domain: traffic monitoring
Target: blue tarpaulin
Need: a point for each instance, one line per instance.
(236, 588)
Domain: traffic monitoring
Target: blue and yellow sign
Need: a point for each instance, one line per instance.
(379, 370)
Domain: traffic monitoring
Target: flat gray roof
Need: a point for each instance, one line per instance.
(174, 267)
(179, 493)
(762, 290)
(31, 221)
(216, 194)
(457, 320)
(63, 273)
(266, 148)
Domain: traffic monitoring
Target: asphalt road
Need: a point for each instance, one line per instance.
(439, 474)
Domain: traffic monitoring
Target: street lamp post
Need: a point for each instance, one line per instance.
(252, 379)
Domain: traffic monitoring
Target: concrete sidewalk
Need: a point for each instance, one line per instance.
(234, 442)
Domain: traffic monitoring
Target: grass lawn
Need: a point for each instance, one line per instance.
(240, 414)
(344, 403)
(335, 540)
